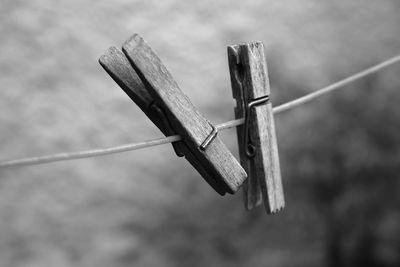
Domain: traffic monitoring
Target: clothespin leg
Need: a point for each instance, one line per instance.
(251, 187)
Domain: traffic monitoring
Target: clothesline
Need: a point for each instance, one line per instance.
(226, 125)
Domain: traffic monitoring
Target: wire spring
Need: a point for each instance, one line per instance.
(250, 148)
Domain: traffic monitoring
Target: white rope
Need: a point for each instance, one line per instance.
(226, 125)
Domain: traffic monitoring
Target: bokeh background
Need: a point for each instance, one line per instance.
(339, 154)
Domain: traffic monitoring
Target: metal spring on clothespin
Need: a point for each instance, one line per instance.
(209, 138)
(250, 148)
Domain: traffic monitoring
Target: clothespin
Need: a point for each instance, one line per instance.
(141, 74)
(119, 68)
(257, 139)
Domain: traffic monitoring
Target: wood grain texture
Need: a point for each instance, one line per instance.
(250, 81)
(185, 118)
(119, 68)
(251, 188)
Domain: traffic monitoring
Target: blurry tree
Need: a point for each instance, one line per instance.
(349, 165)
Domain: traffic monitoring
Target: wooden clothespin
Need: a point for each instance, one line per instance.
(141, 74)
(257, 139)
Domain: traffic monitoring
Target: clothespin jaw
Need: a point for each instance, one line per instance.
(154, 86)
(118, 67)
(257, 138)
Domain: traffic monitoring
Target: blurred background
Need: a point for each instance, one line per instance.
(339, 154)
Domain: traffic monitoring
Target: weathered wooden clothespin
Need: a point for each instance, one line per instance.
(257, 139)
(141, 74)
